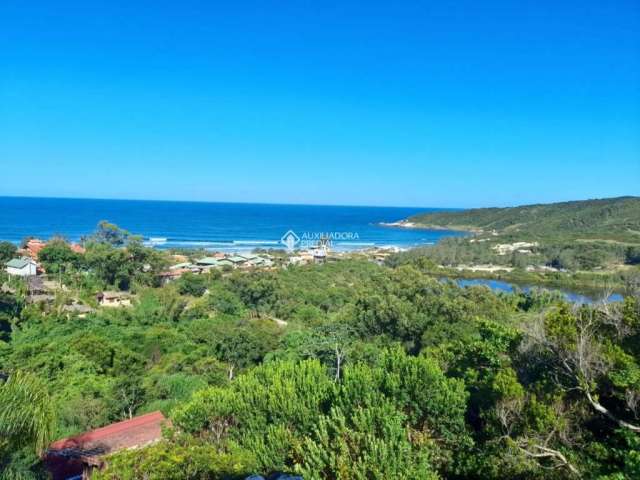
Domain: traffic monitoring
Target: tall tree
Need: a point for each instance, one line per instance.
(27, 414)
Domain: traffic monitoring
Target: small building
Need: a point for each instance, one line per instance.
(225, 262)
(297, 260)
(113, 299)
(255, 261)
(78, 309)
(260, 262)
(22, 267)
(237, 260)
(77, 248)
(319, 255)
(172, 274)
(180, 266)
(77, 457)
(207, 262)
(380, 257)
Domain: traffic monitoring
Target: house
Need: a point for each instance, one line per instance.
(255, 262)
(236, 260)
(114, 299)
(78, 309)
(225, 263)
(180, 266)
(380, 257)
(207, 262)
(78, 456)
(259, 262)
(22, 267)
(319, 255)
(172, 274)
(33, 247)
(77, 248)
(252, 260)
(297, 260)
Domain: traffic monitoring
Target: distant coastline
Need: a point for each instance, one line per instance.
(423, 226)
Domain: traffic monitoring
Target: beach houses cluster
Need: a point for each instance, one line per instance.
(41, 289)
(217, 260)
(26, 264)
(305, 257)
(245, 260)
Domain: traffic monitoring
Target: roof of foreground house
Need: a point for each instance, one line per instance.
(92, 445)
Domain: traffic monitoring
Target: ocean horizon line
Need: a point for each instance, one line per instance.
(220, 202)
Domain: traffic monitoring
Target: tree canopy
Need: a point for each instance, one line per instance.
(347, 370)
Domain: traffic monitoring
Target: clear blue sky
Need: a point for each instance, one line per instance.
(425, 103)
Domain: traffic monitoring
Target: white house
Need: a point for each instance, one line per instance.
(23, 267)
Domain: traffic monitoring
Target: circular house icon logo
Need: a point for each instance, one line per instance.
(290, 240)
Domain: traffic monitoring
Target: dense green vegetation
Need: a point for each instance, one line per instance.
(613, 218)
(346, 370)
(7, 251)
(582, 235)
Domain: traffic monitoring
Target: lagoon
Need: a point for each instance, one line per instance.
(569, 295)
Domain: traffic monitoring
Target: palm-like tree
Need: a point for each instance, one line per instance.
(27, 414)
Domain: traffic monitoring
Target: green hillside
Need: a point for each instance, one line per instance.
(613, 219)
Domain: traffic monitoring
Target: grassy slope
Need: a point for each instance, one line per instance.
(614, 219)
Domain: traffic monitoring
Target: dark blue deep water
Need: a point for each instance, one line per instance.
(214, 226)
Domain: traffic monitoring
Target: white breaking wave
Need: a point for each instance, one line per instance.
(157, 240)
(256, 242)
(198, 243)
(356, 244)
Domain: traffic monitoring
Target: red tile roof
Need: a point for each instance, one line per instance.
(92, 445)
(77, 248)
(34, 246)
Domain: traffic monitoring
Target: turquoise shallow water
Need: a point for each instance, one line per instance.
(215, 226)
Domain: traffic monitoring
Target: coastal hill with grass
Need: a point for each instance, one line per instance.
(611, 219)
(588, 235)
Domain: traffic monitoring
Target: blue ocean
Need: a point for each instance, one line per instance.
(213, 226)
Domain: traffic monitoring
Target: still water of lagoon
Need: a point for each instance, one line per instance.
(569, 295)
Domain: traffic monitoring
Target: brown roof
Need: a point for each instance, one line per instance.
(175, 273)
(90, 446)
